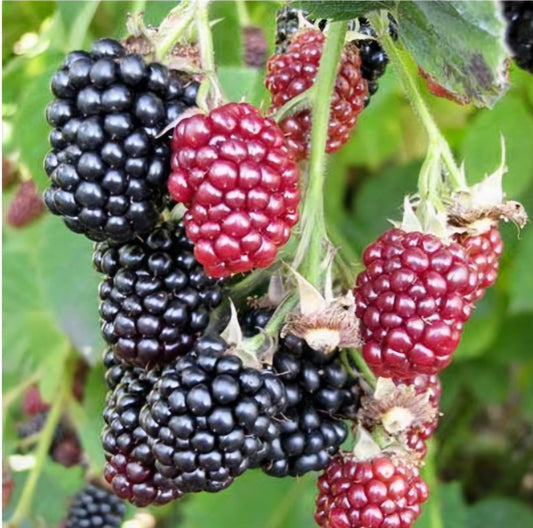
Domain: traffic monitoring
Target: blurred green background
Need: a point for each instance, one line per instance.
(480, 466)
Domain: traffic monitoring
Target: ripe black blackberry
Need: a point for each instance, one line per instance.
(108, 168)
(519, 15)
(319, 394)
(374, 60)
(130, 465)
(210, 418)
(95, 507)
(156, 298)
(253, 319)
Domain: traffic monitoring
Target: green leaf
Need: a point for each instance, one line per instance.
(76, 17)
(241, 83)
(446, 507)
(461, 45)
(481, 150)
(257, 500)
(341, 10)
(499, 513)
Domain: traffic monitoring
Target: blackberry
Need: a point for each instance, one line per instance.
(26, 205)
(108, 168)
(156, 298)
(319, 393)
(519, 15)
(255, 47)
(94, 506)
(130, 465)
(374, 60)
(383, 492)
(210, 418)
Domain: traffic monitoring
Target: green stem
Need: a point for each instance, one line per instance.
(313, 244)
(210, 93)
(403, 73)
(429, 472)
(176, 23)
(363, 368)
(45, 441)
(297, 104)
(242, 12)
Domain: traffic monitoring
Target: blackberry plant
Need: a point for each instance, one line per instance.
(247, 333)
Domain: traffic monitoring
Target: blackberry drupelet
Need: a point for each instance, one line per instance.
(130, 465)
(319, 393)
(95, 507)
(253, 319)
(115, 369)
(156, 298)
(287, 23)
(210, 418)
(519, 16)
(108, 168)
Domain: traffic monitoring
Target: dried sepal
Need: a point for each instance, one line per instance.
(326, 327)
(398, 409)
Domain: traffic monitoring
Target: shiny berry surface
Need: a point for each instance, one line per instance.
(319, 394)
(380, 493)
(109, 165)
(293, 72)
(210, 418)
(484, 251)
(519, 33)
(232, 171)
(412, 300)
(130, 465)
(156, 299)
(94, 506)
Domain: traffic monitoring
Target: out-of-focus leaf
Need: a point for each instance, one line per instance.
(76, 18)
(482, 327)
(227, 44)
(461, 45)
(88, 417)
(521, 278)
(481, 150)
(341, 10)
(499, 513)
(257, 500)
(31, 127)
(446, 505)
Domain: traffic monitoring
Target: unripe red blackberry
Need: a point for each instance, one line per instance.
(94, 506)
(291, 73)
(412, 301)
(32, 402)
(25, 206)
(108, 168)
(255, 47)
(156, 298)
(384, 492)
(210, 418)
(130, 465)
(319, 393)
(232, 171)
(484, 251)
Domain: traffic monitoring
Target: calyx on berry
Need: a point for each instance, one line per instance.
(326, 323)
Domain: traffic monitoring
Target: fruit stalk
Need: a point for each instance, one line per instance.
(437, 142)
(314, 239)
(43, 446)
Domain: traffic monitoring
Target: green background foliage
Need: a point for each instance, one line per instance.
(480, 465)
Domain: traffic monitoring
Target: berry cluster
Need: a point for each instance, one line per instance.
(189, 410)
